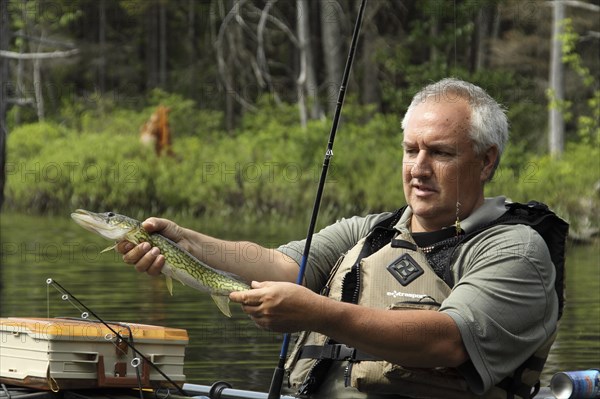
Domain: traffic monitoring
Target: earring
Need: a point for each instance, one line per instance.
(459, 229)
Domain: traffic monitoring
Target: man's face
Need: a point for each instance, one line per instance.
(440, 167)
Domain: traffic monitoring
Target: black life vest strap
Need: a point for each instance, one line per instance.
(546, 223)
(514, 384)
(335, 352)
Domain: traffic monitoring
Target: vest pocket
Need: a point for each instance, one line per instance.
(422, 303)
(387, 378)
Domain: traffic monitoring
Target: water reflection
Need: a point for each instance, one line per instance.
(36, 248)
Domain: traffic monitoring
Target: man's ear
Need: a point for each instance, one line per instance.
(490, 158)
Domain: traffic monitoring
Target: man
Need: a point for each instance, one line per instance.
(387, 323)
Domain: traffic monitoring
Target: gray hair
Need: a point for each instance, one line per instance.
(489, 125)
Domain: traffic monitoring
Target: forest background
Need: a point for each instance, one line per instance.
(252, 85)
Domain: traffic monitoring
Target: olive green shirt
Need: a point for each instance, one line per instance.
(503, 300)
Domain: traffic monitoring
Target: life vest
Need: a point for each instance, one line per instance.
(387, 270)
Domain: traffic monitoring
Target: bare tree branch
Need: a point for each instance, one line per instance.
(577, 4)
(281, 25)
(221, 59)
(37, 56)
(50, 42)
(260, 51)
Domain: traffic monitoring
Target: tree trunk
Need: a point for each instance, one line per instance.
(102, 46)
(162, 31)
(312, 84)
(481, 35)
(304, 89)
(556, 122)
(227, 74)
(370, 90)
(151, 47)
(20, 89)
(331, 19)
(4, 40)
(37, 84)
(191, 41)
(434, 30)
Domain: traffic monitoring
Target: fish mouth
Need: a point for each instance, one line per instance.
(98, 223)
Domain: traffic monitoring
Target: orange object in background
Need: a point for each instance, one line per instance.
(156, 132)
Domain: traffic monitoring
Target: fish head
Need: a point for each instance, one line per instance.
(109, 225)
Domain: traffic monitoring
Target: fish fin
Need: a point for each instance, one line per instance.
(109, 248)
(222, 303)
(169, 282)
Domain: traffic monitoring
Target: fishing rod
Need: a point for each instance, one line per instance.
(277, 381)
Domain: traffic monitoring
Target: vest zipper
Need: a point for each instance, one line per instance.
(347, 374)
(354, 299)
(356, 292)
(309, 380)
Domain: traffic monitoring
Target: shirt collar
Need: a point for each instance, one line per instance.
(491, 209)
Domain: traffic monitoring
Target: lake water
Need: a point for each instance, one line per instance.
(35, 248)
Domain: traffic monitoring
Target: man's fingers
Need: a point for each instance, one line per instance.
(238, 296)
(246, 298)
(156, 266)
(124, 246)
(151, 262)
(259, 284)
(136, 253)
(145, 258)
(154, 224)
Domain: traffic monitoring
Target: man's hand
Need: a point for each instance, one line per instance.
(281, 306)
(144, 256)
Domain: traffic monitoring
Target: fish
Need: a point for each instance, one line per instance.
(179, 263)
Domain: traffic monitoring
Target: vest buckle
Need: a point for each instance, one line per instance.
(344, 352)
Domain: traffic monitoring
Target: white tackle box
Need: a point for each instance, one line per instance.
(55, 354)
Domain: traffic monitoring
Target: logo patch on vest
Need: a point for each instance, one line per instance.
(405, 269)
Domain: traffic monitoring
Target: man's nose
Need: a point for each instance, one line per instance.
(421, 166)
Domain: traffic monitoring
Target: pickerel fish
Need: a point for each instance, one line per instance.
(179, 264)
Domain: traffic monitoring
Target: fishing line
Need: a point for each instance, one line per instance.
(457, 222)
(66, 295)
(47, 300)
(277, 381)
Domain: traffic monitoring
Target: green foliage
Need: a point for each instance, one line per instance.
(570, 56)
(588, 120)
(31, 139)
(270, 167)
(589, 125)
(94, 170)
(567, 185)
(367, 173)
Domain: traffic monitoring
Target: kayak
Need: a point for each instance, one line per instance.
(83, 359)
(219, 390)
